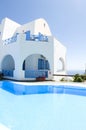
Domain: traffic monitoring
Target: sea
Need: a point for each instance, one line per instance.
(73, 72)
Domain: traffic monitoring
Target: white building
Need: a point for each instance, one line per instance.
(30, 51)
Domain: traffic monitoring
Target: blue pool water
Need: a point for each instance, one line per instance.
(42, 107)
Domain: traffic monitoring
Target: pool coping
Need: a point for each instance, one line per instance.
(52, 83)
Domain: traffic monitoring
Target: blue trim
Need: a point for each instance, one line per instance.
(35, 73)
(23, 67)
(47, 65)
(11, 40)
(39, 37)
(7, 73)
(27, 35)
(41, 64)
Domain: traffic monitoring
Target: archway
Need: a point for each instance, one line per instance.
(8, 65)
(36, 65)
(60, 64)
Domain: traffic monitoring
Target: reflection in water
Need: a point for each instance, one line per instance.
(21, 89)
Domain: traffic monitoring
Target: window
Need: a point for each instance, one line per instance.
(46, 64)
(40, 64)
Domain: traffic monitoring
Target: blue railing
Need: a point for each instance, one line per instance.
(7, 73)
(39, 37)
(36, 73)
(29, 37)
(11, 40)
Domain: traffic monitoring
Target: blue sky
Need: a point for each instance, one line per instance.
(66, 18)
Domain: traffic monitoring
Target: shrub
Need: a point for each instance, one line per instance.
(78, 78)
(83, 77)
(62, 79)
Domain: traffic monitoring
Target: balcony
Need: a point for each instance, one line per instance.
(28, 37)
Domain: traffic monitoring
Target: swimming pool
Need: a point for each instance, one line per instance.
(42, 107)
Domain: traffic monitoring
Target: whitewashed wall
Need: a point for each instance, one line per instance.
(8, 28)
(21, 49)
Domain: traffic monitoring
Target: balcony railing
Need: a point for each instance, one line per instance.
(39, 37)
(36, 73)
(7, 73)
(11, 40)
(29, 37)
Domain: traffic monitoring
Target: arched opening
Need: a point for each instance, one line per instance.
(60, 64)
(36, 65)
(8, 65)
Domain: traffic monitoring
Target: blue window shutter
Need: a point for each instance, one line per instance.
(41, 64)
(46, 64)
